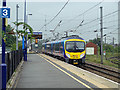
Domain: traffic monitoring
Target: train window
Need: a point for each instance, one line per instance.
(57, 47)
(53, 47)
(80, 45)
(48, 47)
(43, 47)
(75, 46)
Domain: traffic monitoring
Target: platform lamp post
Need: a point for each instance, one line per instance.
(25, 48)
(27, 23)
(17, 26)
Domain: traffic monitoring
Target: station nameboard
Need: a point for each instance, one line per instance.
(37, 35)
(4, 12)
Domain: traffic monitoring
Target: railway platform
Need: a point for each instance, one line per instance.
(41, 71)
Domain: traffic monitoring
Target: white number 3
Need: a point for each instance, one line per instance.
(5, 12)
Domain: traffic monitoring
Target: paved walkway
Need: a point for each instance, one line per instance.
(38, 73)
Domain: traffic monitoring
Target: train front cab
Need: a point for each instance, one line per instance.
(75, 51)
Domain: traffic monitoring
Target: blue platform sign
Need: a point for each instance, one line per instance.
(4, 12)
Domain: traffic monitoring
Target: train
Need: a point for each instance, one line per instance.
(71, 49)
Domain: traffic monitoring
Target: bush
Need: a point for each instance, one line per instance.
(13, 48)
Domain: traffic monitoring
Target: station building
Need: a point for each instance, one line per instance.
(91, 49)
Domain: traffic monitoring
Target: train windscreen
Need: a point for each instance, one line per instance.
(75, 46)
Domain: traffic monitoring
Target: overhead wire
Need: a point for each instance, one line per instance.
(111, 13)
(112, 21)
(113, 31)
(105, 16)
(85, 11)
(98, 29)
(97, 18)
(55, 15)
(83, 14)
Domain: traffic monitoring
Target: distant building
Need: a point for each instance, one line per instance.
(91, 49)
(119, 22)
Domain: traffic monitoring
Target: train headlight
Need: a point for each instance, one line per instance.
(82, 55)
(68, 55)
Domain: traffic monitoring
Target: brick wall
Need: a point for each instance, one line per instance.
(90, 44)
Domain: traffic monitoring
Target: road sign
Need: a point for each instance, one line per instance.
(4, 12)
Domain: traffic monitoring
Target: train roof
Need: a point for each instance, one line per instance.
(74, 37)
(66, 38)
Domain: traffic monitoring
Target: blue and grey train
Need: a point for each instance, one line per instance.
(72, 49)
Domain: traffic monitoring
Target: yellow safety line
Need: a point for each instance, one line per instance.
(66, 73)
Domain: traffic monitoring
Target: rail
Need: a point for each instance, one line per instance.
(111, 74)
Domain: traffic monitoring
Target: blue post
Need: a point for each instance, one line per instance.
(3, 65)
(4, 71)
(23, 43)
(23, 47)
(25, 52)
(26, 49)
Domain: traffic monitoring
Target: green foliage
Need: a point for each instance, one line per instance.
(13, 48)
(25, 27)
(10, 39)
(95, 59)
(110, 48)
(96, 41)
(21, 33)
(106, 47)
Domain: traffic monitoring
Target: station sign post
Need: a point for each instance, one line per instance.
(4, 13)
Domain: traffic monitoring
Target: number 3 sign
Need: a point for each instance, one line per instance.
(4, 12)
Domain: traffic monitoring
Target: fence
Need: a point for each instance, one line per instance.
(12, 60)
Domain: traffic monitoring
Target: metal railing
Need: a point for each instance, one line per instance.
(12, 59)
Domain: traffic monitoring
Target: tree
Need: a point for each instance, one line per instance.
(25, 27)
(22, 33)
(10, 39)
(96, 41)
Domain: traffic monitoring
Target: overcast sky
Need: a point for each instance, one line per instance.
(41, 9)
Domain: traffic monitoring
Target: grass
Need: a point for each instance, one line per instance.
(95, 59)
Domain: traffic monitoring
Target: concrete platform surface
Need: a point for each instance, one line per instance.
(97, 80)
(37, 72)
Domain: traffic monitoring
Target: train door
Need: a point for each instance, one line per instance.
(51, 48)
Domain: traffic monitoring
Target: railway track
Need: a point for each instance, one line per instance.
(107, 73)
